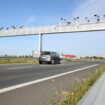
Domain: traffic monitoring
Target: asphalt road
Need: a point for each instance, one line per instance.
(14, 74)
(37, 92)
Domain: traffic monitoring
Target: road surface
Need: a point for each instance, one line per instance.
(34, 84)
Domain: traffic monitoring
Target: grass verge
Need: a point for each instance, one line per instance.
(73, 97)
(11, 61)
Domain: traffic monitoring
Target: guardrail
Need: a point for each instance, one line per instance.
(96, 94)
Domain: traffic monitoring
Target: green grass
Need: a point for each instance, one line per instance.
(70, 60)
(11, 61)
(72, 97)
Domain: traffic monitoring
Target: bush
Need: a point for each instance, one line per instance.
(11, 61)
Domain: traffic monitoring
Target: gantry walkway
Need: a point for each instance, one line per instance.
(56, 29)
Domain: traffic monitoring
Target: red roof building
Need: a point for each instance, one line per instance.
(69, 56)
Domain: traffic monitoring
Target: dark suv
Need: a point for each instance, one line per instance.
(49, 57)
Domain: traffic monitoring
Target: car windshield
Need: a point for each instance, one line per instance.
(46, 53)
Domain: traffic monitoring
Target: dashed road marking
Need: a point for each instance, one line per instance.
(20, 67)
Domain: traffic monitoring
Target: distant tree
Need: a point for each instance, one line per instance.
(5, 55)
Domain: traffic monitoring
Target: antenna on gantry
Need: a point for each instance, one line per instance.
(94, 18)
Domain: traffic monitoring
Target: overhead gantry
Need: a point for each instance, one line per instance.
(56, 29)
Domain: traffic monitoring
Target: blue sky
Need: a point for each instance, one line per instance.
(48, 12)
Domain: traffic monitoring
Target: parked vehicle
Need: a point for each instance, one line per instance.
(49, 57)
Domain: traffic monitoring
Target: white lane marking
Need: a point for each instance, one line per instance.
(20, 67)
(43, 79)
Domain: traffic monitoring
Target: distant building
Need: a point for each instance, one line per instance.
(69, 56)
(60, 54)
(35, 54)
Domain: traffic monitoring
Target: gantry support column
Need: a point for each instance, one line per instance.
(40, 44)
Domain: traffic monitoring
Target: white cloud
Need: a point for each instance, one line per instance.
(89, 8)
(87, 3)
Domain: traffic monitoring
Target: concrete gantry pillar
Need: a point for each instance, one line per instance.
(40, 44)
